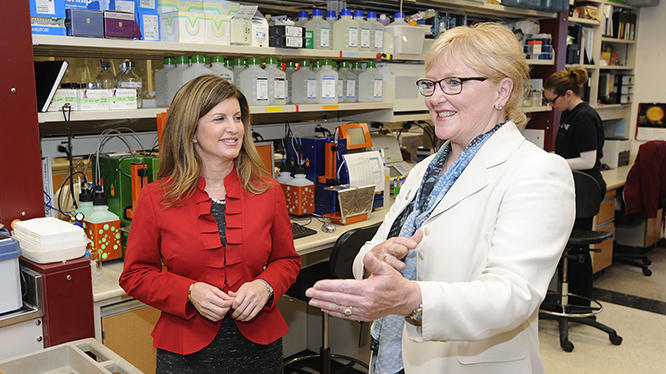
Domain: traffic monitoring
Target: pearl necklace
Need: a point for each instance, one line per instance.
(221, 202)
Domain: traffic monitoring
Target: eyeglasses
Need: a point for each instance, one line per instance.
(548, 101)
(450, 85)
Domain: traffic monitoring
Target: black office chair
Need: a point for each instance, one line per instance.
(339, 266)
(626, 254)
(557, 305)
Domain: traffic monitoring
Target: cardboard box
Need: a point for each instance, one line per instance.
(82, 22)
(47, 8)
(183, 27)
(122, 99)
(286, 42)
(120, 25)
(168, 6)
(48, 26)
(93, 99)
(243, 32)
(286, 30)
(149, 25)
(90, 5)
(146, 5)
(218, 29)
(220, 7)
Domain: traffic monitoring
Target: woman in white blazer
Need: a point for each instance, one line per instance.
(455, 275)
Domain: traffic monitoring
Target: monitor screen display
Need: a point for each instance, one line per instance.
(356, 136)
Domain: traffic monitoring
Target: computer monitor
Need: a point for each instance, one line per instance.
(357, 135)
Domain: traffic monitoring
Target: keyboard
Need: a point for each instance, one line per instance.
(301, 231)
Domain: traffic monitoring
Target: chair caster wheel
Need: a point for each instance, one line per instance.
(568, 346)
(616, 340)
(647, 271)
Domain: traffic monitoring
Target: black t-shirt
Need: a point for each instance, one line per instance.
(581, 130)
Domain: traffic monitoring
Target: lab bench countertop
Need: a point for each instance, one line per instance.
(106, 285)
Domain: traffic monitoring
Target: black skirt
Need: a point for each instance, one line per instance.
(229, 353)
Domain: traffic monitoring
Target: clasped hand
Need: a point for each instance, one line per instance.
(384, 290)
(214, 304)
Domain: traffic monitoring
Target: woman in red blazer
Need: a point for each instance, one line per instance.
(219, 224)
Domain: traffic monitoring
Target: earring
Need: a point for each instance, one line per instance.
(194, 141)
(500, 106)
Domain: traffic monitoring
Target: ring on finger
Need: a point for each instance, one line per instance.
(384, 257)
(348, 312)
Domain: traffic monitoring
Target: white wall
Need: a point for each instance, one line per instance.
(650, 71)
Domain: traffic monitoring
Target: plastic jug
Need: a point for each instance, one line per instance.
(161, 85)
(357, 69)
(376, 33)
(299, 193)
(254, 83)
(175, 77)
(364, 29)
(239, 67)
(218, 67)
(331, 18)
(290, 69)
(321, 30)
(327, 82)
(277, 83)
(345, 32)
(348, 82)
(103, 228)
(302, 18)
(197, 69)
(303, 85)
(370, 84)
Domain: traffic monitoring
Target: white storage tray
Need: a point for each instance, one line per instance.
(85, 356)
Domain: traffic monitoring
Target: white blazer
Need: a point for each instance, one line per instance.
(490, 249)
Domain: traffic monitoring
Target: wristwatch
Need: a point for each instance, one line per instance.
(416, 317)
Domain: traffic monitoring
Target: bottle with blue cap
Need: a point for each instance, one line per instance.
(363, 31)
(331, 18)
(345, 32)
(376, 33)
(320, 28)
(302, 18)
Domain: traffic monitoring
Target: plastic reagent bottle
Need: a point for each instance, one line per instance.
(105, 79)
(357, 69)
(303, 85)
(197, 69)
(239, 67)
(345, 32)
(348, 82)
(327, 81)
(321, 30)
(289, 71)
(331, 18)
(175, 77)
(254, 83)
(376, 33)
(277, 83)
(364, 29)
(370, 84)
(218, 67)
(316, 66)
(302, 18)
(161, 83)
(338, 87)
(132, 80)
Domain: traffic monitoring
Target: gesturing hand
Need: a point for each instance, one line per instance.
(393, 250)
(385, 291)
(210, 301)
(249, 300)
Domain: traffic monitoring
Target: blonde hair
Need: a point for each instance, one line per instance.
(492, 50)
(180, 165)
(568, 79)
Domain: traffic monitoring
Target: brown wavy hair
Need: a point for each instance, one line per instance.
(180, 166)
(492, 50)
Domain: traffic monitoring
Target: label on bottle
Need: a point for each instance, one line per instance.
(365, 38)
(353, 37)
(129, 84)
(378, 89)
(262, 89)
(328, 88)
(279, 87)
(351, 88)
(311, 89)
(325, 37)
(379, 39)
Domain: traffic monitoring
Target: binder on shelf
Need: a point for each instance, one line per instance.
(48, 75)
(624, 25)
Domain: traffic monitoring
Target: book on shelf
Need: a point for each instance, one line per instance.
(624, 24)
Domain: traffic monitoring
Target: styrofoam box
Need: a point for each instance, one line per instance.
(10, 292)
(407, 39)
(183, 27)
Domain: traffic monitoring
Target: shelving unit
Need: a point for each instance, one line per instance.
(626, 51)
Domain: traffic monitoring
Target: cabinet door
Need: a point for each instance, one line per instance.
(68, 305)
(126, 331)
(21, 338)
(603, 259)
